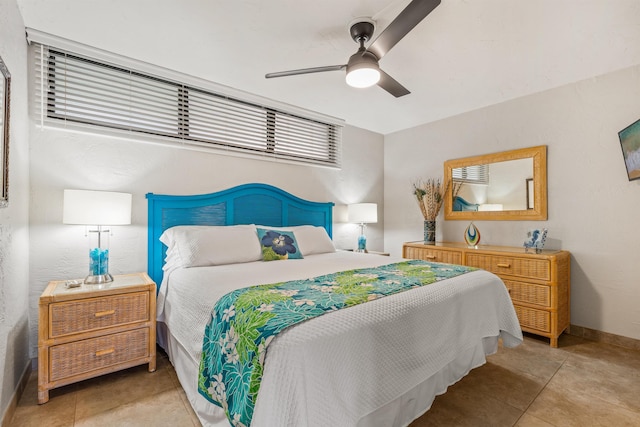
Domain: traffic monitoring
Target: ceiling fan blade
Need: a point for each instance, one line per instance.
(305, 71)
(411, 16)
(389, 84)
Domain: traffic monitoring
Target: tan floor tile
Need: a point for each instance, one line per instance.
(162, 409)
(464, 410)
(59, 411)
(470, 402)
(600, 379)
(533, 357)
(609, 354)
(571, 408)
(104, 393)
(188, 408)
(530, 421)
(513, 388)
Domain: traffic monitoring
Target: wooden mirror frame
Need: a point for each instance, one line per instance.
(539, 211)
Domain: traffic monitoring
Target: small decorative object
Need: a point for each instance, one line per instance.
(472, 235)
(535, 240)
(630, 143)
(429, 194)
(100, 209)
(362, 214)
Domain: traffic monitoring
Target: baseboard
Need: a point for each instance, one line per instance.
(11, 409)
(605, 337)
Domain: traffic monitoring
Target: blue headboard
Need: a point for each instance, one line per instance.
(245, 204)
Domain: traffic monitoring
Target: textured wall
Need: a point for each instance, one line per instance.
(593, 208)
(14, 233)
(61, 159)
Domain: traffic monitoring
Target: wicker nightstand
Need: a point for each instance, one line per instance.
(93, 330)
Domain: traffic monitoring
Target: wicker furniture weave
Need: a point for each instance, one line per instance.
(539, 283)
(94, 330)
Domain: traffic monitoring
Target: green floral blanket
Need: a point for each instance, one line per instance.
(244, 322)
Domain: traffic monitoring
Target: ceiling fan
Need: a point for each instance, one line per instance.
(363, 69)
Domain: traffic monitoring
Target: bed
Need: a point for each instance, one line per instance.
(379, 363)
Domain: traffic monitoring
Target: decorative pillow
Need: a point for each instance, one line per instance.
(197, 246)
(278, 244)
(313, 240)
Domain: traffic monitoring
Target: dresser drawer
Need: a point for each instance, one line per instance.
(79, 357)
(522, 267)
(434, 255)
(72, 317)
(529, 293)
(534, 319)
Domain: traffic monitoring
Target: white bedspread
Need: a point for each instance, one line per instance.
(341, 368)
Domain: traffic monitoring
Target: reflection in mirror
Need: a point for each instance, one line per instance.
(510, 185)
(500, 186)
(5, 92)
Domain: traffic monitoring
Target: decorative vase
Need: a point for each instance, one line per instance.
(429, 232)
(472, 235)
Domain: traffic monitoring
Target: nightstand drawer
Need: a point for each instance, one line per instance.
(79, 357)
(97, 313)
(529, 293)
(522, 267)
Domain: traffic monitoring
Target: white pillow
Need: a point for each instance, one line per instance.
(198, 245)
(311, 239)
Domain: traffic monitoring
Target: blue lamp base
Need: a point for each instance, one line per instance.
(362, 240)
(98, 267)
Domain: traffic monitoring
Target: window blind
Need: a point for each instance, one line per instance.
(476, 174)
(74, 89)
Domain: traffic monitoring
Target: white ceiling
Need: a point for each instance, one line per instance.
(467, 54)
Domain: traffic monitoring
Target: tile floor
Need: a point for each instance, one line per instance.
(582, 383)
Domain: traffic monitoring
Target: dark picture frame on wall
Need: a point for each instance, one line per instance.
(630, 144)
(5, 103)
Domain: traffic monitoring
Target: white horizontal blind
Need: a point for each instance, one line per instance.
(476, 174)
(75, 89)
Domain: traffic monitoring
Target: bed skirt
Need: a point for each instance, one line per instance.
(396, 413)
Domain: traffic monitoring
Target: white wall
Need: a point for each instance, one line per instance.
(593, 208)
(14, 231)
(61, 159)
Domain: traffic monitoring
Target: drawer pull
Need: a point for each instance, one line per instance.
(430, 257)
(104, 352)
(504, 265)
(105, 313)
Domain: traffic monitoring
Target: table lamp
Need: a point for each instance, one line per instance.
(362, 213)
(99, 209)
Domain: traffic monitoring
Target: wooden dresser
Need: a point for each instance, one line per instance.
(93, 330)
(539, 283)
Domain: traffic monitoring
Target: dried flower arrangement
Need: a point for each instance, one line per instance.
(430, 195)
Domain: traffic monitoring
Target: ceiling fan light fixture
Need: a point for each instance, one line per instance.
(363, 77)
(363, 70)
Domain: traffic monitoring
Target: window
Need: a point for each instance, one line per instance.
(476, 174)
(75, 89)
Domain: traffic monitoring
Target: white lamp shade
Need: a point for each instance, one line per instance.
(363, 213)
(86, 207)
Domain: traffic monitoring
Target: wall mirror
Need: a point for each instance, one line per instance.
(510, 185)
(5, 92)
